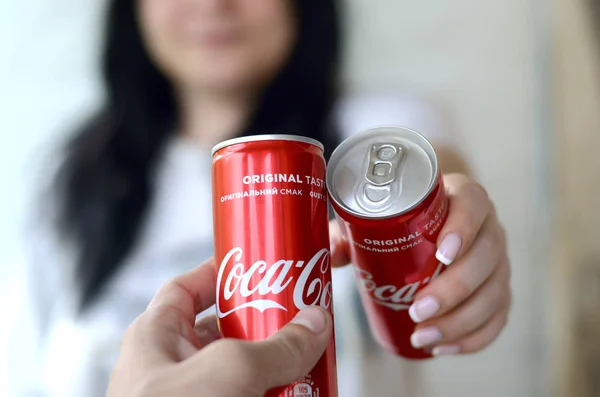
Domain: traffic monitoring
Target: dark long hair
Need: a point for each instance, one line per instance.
(105, 184)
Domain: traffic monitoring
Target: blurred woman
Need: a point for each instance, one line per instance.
(131, 203)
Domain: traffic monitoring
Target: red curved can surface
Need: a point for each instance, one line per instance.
(388, 195)
(271, 239)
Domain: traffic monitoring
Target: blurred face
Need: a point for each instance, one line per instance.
(219, 45)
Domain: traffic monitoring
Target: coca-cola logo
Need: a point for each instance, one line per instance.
(389, 295)
(273, 279)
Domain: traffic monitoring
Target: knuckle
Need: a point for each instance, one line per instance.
(478, 191)
(451, 327)
(466, 308)
(504, 275)
(130, 332)
(459, 289)
(508, 300)
(502, 281)
(468, 219)
(477, 345)
(162, 314)
(508, 277)
(497, 234)
(497, 327)
(164, 289)
(490, 241)
(493, 208)
(451, 291)
(158, 312)
(488, 335)
(501, 232)
(466, 320)
(503, 321)
(497, 297)
(505, 312)
(473, 348)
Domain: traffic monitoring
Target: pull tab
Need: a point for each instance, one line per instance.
(384, 161)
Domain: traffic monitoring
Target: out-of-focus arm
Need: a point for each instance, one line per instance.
(360, 112)
(451, 161)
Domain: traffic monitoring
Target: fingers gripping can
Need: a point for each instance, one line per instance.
(271, 238)
(387, 192)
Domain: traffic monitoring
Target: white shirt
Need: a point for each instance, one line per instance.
(57, 353)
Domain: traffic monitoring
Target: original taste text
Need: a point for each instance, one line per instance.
(301, 186)
(390, 245)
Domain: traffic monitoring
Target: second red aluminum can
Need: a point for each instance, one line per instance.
(388, 195)
(271, 239)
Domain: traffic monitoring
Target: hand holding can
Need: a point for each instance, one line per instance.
(402, 224)
(166, 352)
(271, 239)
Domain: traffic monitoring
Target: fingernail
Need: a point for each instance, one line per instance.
(311, 318)
(448, 350)
(449, 248)
(425, 337)
(423, 309)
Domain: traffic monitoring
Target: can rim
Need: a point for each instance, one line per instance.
(359, 135)
(266, 137)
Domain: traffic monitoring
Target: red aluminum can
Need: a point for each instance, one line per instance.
(388, 195)
(271, 238)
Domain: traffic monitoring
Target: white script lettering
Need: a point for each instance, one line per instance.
(389, 295)
(274, 279)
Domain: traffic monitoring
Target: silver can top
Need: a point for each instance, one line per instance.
(267, 137)
(382, 172)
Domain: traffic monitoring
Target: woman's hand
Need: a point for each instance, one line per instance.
(465, 308)
(166, 353)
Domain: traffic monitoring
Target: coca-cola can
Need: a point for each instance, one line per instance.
(387, 192)
(271, 240)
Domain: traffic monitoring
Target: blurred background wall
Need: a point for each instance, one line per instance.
(487, 65)
(576, 252)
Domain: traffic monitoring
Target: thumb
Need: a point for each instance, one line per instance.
(293, 351)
